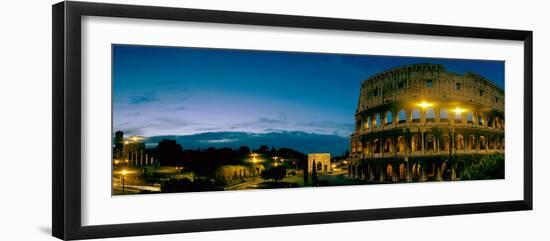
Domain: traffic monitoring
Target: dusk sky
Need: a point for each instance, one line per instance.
(182, 91)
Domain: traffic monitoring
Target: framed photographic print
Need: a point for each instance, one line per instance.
(170, 120)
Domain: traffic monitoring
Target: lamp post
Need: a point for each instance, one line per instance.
(254, 164)
(124, 172)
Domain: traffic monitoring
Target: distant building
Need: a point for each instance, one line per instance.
(118, 152)
(322, 162)
(130, 151)
(233, 172)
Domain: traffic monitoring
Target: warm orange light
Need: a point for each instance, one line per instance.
(116, 162)
(458, 110)
(425, 104)
(124, 172)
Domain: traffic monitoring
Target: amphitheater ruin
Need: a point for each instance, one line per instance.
(421, 122)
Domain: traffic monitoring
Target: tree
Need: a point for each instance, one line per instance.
(274, 173)
(489, 167)
(306, 170)
(314, 178)
(263, 149)
(244, 151)
(169, 152)
(273, 151)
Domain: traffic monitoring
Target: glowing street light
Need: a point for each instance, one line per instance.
(275, 160)
(425, 104)
(124, 173)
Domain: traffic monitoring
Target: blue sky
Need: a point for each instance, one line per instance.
(183, 91)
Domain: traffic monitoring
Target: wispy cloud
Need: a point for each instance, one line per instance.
(219, 141)
(143, 98)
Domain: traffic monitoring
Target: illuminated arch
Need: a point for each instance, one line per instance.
(415, 115)
(402, 116)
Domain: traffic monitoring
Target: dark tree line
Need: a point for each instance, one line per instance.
(205, 161)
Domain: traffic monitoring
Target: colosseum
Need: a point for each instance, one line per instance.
(422, 123)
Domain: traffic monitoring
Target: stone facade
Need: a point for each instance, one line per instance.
(420, 122)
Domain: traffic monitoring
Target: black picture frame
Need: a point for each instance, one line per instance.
(66, 47)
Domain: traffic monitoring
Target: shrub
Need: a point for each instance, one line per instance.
(489, 167)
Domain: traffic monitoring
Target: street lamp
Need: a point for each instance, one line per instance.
(124, 172)
(254, 164)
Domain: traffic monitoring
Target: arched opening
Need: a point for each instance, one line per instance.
(497, 123)
(480, 119)
(430, 143)
(415, 143)
(482, 143)
(366, 149)
(444, 174)
(443, 115)
(388, 145)
(389, 172)
(402, 116)
(459, 143)
(471, 143)
(470, 118)
(415, 115)
(490, 120)
(319, 166)
(416, 171)
(401, 144)
(430, 115)
(402, 172)
(376, 146)
(458, 117)
(367, 123)
(377, 120)
(325, 168)
(389, 117)
(358, 125)
(446, 143)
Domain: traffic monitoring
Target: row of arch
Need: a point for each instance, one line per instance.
(400, 171)
(429, 115)
(427, 143)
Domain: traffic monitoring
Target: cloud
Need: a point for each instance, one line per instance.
(328, 124)
(266, 120)
(219, 141)
(143, 98)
